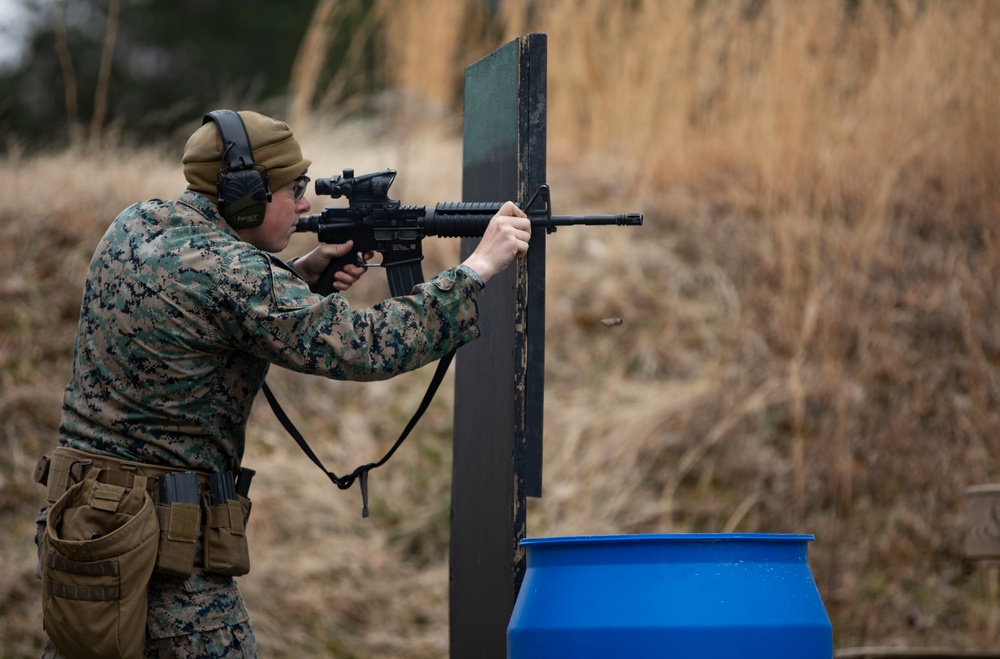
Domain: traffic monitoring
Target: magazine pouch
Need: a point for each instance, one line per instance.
(179, 526)
(99, 551)
(226, 549)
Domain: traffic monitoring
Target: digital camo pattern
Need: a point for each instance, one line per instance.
(203, 616)
(180, 320)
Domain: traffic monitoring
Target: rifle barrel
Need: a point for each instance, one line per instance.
(621, 219)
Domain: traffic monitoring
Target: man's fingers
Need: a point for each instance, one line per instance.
(338, 250)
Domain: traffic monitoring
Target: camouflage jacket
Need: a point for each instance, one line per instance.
(181, 319)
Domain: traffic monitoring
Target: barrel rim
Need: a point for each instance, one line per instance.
(669, 537)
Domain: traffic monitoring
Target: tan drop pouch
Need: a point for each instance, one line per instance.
(99, 551)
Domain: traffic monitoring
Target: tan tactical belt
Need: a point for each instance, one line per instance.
(68, 466)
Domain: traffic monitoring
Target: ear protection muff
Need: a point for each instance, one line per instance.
(243, 189)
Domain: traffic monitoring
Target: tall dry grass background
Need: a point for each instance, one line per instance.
(809, 312)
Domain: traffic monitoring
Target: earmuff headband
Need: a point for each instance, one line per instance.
(235, 150)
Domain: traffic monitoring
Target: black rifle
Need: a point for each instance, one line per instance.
(377, 223)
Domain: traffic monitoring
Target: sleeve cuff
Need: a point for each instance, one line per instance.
(473, 274)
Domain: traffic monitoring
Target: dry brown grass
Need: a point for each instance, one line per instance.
(809, 314)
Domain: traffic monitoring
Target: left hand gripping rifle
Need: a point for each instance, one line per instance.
(377, 223)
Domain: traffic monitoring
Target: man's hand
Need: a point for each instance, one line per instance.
(505, 239)
(311, 265)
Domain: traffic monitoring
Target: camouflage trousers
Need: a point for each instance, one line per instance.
(203, 616)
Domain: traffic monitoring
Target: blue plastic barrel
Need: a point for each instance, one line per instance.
(675, 595)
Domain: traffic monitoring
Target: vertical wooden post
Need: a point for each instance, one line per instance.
(499, 379)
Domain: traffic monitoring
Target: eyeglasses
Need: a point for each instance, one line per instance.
(298, 187)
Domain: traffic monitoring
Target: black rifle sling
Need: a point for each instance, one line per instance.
(361, 473)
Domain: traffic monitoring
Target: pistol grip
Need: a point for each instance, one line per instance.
(324, 285)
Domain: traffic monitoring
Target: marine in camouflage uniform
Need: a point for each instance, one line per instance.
(181, 319)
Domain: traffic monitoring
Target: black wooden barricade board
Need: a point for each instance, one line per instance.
(499, 379)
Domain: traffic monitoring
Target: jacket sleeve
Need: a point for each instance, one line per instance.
(271, 313)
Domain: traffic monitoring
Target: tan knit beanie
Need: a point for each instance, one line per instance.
(273, 146)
